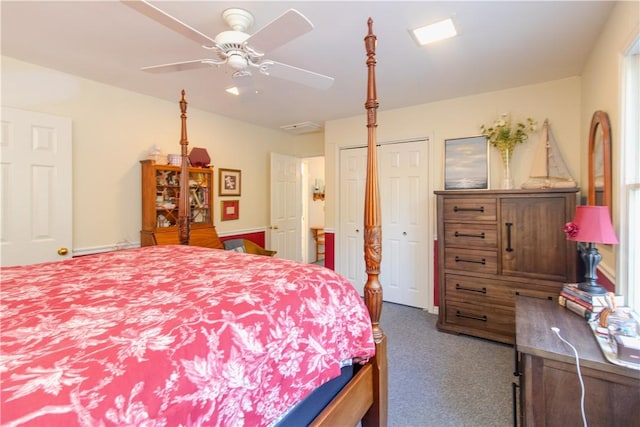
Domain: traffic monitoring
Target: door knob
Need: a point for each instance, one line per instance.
(63, 251)
(404, 233)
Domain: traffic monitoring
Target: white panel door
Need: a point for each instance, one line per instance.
(286, 207)
(404, 194)
(353, 171)
(35, 188)
(404, 210)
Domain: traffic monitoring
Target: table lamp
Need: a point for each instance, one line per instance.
(591, 225)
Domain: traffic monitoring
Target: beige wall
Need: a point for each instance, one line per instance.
(114, 128)
(568, 104)
(601, 87)
(558, 101)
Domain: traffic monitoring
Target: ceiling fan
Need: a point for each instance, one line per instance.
(241, 51)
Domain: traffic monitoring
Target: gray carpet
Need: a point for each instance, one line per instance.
(440, 379)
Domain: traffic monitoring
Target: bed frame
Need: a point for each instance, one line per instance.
(364, 398)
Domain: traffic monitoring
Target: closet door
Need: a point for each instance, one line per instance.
(405, 267)
(404, 194)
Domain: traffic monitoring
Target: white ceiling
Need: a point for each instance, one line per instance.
(500, 45)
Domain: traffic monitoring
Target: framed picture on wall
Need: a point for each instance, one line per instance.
(230, 210)
(466, 163)
(229, 182)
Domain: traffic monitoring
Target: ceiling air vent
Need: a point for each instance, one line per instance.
(300, 128)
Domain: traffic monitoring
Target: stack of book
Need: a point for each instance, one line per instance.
(585, 304)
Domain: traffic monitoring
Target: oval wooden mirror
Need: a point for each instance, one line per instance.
(600, 160)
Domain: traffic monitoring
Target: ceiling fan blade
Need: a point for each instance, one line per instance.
(299, 75)
(281, 30)
(170, 22)
(181, 66)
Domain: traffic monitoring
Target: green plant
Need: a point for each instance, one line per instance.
(505, 136)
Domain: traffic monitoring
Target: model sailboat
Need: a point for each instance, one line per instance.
(548, 169)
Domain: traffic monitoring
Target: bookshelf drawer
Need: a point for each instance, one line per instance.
(480, 290)
(481, 236)
(469, 209)
(474, 260)
(477, 315)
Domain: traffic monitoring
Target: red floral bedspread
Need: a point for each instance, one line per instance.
(171, 335)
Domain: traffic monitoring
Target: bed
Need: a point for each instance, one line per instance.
(184, 335)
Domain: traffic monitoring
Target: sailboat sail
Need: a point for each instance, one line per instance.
(548, 169)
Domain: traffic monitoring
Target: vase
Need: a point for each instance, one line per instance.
(507, 180)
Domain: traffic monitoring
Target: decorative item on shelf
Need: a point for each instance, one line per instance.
(591, 225)
(174, 159)
(198, 157)
(155, 154)
(505, 138)
(318, 190)
(548, 169)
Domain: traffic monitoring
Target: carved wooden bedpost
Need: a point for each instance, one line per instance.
(377, 415)
(183, 204)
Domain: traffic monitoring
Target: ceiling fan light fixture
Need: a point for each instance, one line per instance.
(432, 33)
(233, 90)
(237, 61)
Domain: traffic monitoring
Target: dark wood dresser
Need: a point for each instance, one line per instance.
(494, 245)
(549, 386)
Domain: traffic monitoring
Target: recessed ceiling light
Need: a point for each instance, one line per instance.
(434, 32)
(233, 91)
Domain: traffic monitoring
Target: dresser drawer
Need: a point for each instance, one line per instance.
(482, 317)
(478, 261)
(469, 209)
(539, 292)
(479, 290)
(466, 235)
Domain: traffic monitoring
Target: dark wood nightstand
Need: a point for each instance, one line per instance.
(549, 386)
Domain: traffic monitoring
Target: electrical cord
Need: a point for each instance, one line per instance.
(584, 417)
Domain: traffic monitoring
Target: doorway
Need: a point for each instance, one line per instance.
(314, 210)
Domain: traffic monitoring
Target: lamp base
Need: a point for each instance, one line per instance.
(592, 288)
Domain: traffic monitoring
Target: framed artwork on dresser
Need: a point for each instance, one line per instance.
(466, 163)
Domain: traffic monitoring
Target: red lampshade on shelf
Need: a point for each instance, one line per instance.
(591, 225)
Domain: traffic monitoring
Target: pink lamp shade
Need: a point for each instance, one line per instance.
(593, 224)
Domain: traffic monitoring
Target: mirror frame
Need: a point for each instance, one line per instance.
(600, 120)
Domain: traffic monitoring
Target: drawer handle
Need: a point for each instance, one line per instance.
(548, 297)
(474, 261)
(457, 209)
(458, 234)
(509, 225)
(471, 316)
(480, 291)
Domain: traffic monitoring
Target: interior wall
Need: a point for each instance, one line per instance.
(114, 128)
(601, 84)
(558, 101)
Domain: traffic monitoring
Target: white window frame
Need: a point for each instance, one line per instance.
(629, 179)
